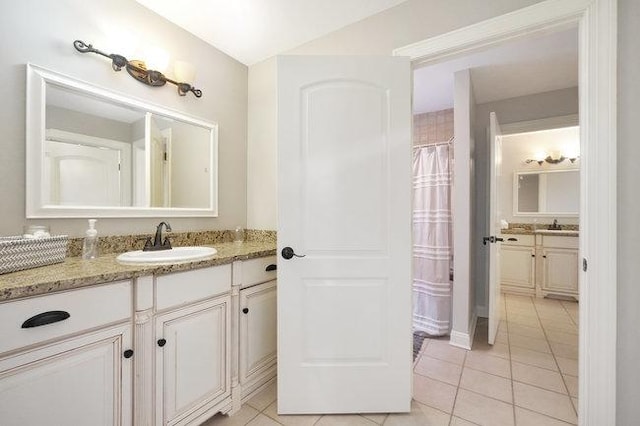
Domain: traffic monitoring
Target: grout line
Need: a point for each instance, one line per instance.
(455, 397)
(513, 394)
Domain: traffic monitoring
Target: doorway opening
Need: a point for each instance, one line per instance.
(532, 80)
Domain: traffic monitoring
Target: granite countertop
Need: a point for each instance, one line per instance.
(524, 231)
(75, 272)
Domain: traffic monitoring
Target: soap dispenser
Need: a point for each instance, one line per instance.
(90, 245)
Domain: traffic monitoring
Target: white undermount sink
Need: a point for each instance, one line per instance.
(166, 257)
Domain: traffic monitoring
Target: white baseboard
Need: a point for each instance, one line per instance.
(464, 340)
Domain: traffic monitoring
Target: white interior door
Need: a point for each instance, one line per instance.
(344, 203)
(81, 175)
(495, 141)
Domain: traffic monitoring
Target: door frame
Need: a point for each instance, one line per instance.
(597, 26)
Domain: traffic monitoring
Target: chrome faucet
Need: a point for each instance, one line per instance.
(158, 244)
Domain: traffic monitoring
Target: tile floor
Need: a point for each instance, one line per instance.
(528, 378)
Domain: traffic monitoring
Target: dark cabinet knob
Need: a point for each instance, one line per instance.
(245, 311)
(162, 342)
(128, 353)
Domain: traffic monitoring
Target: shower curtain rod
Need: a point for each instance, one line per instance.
(434, 144)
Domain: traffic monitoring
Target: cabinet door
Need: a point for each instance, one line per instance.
(80, 381)
(258, 343)
(192, 368)
(560, 270)
(517, 266)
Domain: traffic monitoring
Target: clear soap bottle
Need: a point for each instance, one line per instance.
(90, 244)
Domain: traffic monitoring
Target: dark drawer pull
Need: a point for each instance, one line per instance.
(128, 353)
(162, 342)
(271, 267)
(45, 318)
(245, 311)
(512, 239)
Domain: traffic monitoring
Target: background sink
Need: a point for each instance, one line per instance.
(167, 257)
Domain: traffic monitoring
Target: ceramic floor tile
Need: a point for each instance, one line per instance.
(457, 421)
(532, 343)
(420, 415)
(442, 350)
(560, 326)
(527, 331)
(433, 393)
(344, 420)
(574, 401)
(538, 359)
(489, 364)
(523, 320)
(376, 418)
(531, 418)
(289, 420)
(439, 370)
(262, 420)
(264, 398)
(572, 384)
(547, 379)
(562, 337)
(567, 365)
(482, 410)
(487, 384)
(503, 338)
(241, 418)
(500, 350)
(545, 402)
(565, 351)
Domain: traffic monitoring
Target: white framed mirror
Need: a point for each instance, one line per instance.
(92, 152)
(546, 193)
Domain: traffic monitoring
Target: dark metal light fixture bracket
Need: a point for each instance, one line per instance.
(138, 70)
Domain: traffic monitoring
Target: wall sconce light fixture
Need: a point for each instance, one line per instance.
(540, 159)
(138, 70)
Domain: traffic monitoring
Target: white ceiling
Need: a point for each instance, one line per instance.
(514, 69)
(254, 30)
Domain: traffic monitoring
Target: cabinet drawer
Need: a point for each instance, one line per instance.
(521, 240)
(87, 308)
(254, 271)
(181, 288)
(560, 242)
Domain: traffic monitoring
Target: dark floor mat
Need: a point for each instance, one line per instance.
(418, 338)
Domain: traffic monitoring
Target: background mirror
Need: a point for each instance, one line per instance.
(102, 155)
(547, 192)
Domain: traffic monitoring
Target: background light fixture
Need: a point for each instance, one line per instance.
(554, 158)
(138, 70)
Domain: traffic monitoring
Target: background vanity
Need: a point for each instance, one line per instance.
(535, 260)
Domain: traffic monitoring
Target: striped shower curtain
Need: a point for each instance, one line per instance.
(432, 240)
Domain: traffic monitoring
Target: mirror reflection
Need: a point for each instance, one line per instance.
(550, 192)
(101, 153)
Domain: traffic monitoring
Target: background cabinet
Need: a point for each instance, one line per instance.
(560, 271)
(517, 264)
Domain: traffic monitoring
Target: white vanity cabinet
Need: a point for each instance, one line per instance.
(517, 264)
(73, 366)
(257, 342)
(559, 266)
(191, 345)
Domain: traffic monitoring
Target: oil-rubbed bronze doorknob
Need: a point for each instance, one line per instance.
(288, 253)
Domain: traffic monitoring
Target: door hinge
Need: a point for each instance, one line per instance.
(165, 156)
(584, 264)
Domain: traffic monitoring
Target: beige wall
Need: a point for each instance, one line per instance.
(42, 33)
(409, 22)
(628, 392)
